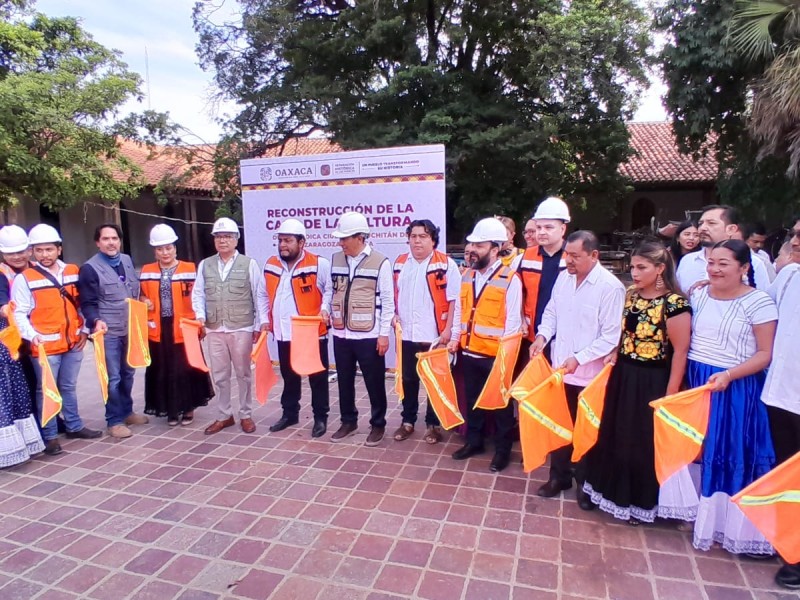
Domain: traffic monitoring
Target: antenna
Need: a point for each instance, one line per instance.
(147, 75)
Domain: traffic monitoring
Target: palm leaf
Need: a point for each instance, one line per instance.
(754, 22)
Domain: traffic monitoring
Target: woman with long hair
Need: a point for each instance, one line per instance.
(650, 363)
(733, 330)
(685, 240)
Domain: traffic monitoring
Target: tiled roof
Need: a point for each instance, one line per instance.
(657, 159)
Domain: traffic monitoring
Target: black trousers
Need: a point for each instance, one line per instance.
(785, 428)
(364, 353)
(561, 467)
(290, 398)
(411, 385)
(476, 372)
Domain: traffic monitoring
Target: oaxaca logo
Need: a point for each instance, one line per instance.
(294, 172)
(265, 174)
(325, 170)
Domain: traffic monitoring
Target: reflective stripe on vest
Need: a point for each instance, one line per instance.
(436, 276)
(182, 283)
(307, 296)
(530, 270)
(356, 303)
(54, 318)
(483, 320)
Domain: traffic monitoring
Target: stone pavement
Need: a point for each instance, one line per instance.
(172, 513)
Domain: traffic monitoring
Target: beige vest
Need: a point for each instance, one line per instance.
(355, 303)
(229, 303)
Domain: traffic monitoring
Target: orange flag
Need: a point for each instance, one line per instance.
(433, 368)
(138, 350)
(191, 344)
(544, 420)
(534, 373)
(304, 349)
(98, 339)
(265, 374)
(680, 422)
(590, 409)
(398, 368)
(51, 397)
(772, 503)
(495, 393)
(10, 336)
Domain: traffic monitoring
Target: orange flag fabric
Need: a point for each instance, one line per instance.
(433, 368)
(304, 349)
(680, 422)
(138, 349)
(772, 503)
(10, 336)
(51, 397)
(265, 374)
(534, 373)
(496, 390)
(590, 410)
(544, 420)
(98, 339)
(398, 368)
(191, 344)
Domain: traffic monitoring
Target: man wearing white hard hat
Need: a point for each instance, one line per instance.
(48, 316)
(224, 298)
(489, 309)
(105, 282)
(297, 283)
(362, 308)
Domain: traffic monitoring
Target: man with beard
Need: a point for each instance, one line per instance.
(297, 283)
(489, 309)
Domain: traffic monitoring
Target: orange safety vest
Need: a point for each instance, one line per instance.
(307, 296)
(54, 317)
(530, 270)
(182, 283)
(483, 319)
(437, 285)
(8, 272)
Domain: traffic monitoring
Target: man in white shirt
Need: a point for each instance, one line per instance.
(717, 223)
(427, 284)
(585, 316)
(362, 309)
(297, 283)
(490, 308)
(755, 234)
(224, 298)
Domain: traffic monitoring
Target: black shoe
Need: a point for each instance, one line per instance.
(52, 448)
(584, 501)
(500, 461)
(282, 424)
(788, 576)
(319, 429)
(753, 556)
(466, 451)
(84, 434)
(553, 488)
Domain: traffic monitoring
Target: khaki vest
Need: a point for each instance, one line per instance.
(229, 303)
(355, 303)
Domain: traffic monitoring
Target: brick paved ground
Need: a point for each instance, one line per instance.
(171, 513)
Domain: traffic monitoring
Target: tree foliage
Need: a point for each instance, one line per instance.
(529, 96)
(60, 99)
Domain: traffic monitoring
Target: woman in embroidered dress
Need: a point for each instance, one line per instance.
(650, 363)
(733, 331)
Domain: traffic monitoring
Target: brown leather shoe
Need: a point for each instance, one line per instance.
(375, 436)
(248, 426)
(218, 426)
(403, 432)
(134, 419)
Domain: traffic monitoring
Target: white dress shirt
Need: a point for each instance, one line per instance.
(415, 307)
(586, 321)
(770, 268)
(285, 306)
(513, 303)
(199, 291)
(782, 388)
(694, 268)
(384, 315)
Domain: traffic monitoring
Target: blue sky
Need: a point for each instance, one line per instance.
(177, 84)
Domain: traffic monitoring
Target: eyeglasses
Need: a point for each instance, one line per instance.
(226, 238)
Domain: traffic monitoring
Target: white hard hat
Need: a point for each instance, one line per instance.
(13, 239)
(162, 234)
(225, 225)
(292, 227)
(349, 224)
(553, 208)
(488, 230)
(43, 234)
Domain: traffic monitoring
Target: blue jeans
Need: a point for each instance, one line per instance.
(65, 368)
(120, 380)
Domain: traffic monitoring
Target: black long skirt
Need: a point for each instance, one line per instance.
(172, 387)
(621, 475)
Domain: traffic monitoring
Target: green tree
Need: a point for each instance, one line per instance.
(529, 96)
(60, 99)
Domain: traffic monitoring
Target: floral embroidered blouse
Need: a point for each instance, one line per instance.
(644, 325)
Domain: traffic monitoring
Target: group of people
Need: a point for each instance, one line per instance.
(720, 318)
